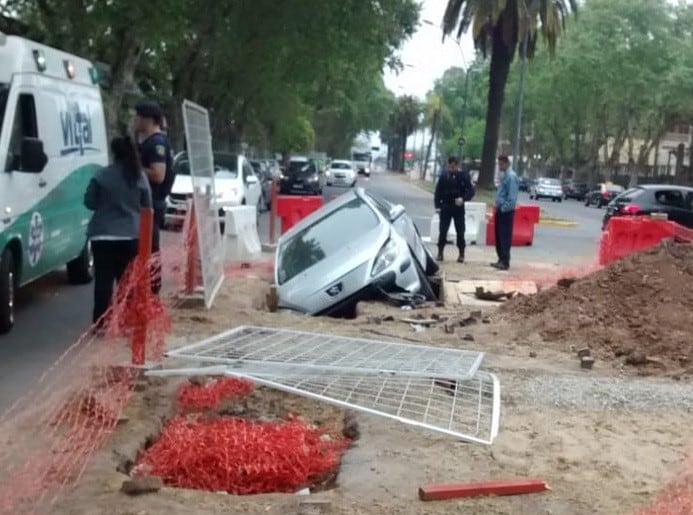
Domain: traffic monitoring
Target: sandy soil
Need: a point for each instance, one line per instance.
(596, 461)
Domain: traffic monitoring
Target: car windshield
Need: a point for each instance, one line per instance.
(340, 166)
(629, 195)
(301, 167)
(361, 156)
(549, 182)
(325, 238)
(225, 166)
(4, 92)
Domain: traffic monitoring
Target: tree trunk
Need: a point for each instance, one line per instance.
(123, 73)
(501, 57)
(680, 177)
(434, 128)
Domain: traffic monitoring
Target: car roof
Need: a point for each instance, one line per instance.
(667, 186)
(340, 161)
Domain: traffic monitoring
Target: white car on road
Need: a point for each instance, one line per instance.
(235, 184)
(546, 188)
(341, 173)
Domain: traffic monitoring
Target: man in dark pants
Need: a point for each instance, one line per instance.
(506, 198)
(454, 188)
(157, 161)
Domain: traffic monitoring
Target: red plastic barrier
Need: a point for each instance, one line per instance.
(526, 217)
(292, 208)
(625, 235)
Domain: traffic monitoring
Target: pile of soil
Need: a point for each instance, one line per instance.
(639, 309)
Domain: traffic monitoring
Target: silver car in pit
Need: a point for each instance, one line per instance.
(357, 247)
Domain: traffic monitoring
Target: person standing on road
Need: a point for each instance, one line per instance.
(453, 189)
(506, 198)
(157, 161)
(116, 194)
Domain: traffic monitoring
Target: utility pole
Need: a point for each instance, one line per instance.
(521, 93)
(464, 111)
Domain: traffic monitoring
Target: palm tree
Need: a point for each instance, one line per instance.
(500, 26)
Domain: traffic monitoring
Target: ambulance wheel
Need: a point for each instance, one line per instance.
(8, 283)
(81, 269)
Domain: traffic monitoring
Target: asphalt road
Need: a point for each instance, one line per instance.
(553, 244)
(51, 315)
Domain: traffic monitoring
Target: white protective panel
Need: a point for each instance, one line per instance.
(199, 146)
(241, 239)
(465, 409)
(280, 348)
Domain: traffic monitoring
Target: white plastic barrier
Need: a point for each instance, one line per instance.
(474, 222)
(241, 240)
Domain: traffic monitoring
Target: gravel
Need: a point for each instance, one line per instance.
(598, 393)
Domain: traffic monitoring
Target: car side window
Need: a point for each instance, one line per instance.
(247, 171)
(689, 201)
(24, 126)
(671, 198)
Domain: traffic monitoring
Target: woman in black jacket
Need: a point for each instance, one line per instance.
(116, 194)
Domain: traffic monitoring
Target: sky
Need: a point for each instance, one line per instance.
(425, 56)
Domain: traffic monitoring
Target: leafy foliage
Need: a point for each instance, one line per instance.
(269, 72)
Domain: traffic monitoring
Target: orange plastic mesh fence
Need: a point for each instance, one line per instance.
(48, 435)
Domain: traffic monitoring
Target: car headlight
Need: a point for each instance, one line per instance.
(314, 178)
(385, 258)
(328, 173)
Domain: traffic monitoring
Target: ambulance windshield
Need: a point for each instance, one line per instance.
(4, 91)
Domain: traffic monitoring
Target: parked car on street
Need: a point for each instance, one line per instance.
(302, 176)
(340, 173)
(546, 188)
(525, 183)
(576, 191)
(355, 247)
(235, 184)
(604, 194)
(675, 201)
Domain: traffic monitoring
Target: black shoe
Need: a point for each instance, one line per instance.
(440, 255)
(496, 264)
(460, 258)
(500, 266)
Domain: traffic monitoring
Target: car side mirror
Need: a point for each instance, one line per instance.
(251, 179)
(33, 159)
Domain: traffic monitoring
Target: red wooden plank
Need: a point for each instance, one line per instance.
(439, 492)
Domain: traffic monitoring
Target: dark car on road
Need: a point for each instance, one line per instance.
(302, 176)
(605, 193)
(675, 201)
(525, 183)
(577, 191)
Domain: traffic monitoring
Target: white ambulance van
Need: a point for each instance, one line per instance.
(52, 139)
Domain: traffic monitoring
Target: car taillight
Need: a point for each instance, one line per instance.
(630, 209)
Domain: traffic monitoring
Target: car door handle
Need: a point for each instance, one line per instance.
(42, 183)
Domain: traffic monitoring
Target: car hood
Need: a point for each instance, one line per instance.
(183, 184)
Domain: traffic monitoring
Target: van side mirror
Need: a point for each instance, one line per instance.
(33, 159)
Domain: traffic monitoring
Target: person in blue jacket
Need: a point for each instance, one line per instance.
(453, 189)
(506, 198)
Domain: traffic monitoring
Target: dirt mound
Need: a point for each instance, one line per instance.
(639, 309)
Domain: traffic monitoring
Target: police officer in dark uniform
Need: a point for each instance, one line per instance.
(454, 188)
(157, 161)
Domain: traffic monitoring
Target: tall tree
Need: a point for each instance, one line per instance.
(499, 26)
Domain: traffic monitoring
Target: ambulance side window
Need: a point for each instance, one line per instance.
(24, 126)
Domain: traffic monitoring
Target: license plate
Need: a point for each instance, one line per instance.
(298, 186)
